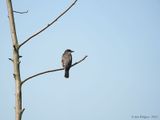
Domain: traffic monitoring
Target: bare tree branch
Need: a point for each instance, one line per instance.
(48, 71)
(35, 34)
(22, 112)
(24, 12)
(10, 59)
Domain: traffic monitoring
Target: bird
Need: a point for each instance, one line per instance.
(67, 61)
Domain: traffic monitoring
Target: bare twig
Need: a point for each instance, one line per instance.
(15, 48)
(79, 61)
(20, 56)
(22, 112)
(48, 71)
(10, 59)
(14, 75)
(48, 25)
(20, 12)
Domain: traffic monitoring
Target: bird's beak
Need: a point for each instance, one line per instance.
(72, 51)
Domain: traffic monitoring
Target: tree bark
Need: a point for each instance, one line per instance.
(16, 63)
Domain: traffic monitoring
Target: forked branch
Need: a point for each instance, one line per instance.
(35, 34)
(48, 71)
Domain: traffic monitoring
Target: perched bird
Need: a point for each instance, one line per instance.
(67, 61)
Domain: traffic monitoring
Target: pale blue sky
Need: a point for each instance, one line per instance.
(120, 78)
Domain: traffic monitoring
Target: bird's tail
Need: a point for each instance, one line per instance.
(66, 75)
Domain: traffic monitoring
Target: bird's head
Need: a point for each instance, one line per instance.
(69, 51)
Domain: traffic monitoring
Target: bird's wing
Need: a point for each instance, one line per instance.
(66, 60)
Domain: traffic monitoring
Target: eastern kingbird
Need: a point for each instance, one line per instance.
(67, 61)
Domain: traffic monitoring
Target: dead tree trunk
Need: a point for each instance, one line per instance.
(16, 63)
